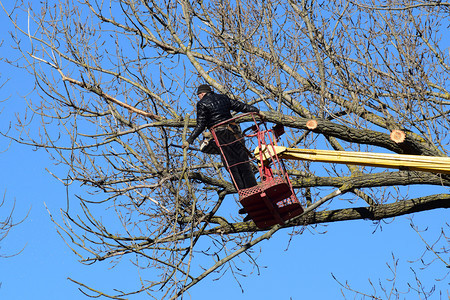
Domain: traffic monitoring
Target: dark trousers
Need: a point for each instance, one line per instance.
(236, 156)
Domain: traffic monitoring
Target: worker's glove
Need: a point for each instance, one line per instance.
(262, 115)
(185, 145)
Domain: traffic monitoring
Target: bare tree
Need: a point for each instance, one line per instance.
(114, 94)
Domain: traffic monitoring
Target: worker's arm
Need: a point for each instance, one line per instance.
(242, 107)
(201, 122)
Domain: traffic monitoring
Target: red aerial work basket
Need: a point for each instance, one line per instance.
(272, 201)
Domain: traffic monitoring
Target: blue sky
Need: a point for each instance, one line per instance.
(353, 251)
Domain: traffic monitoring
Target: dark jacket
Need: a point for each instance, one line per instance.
(215, 108)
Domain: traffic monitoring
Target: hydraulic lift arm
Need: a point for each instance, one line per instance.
(432, 164)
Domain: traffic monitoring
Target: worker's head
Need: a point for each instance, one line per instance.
(203, 89)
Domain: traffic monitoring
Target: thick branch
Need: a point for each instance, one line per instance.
(378, 212)
(374, 180)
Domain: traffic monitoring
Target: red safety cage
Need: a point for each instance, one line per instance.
(272, 201)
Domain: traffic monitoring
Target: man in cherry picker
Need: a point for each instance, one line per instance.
(215, 108)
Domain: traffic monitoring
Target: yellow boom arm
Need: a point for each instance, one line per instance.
(433, 164)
